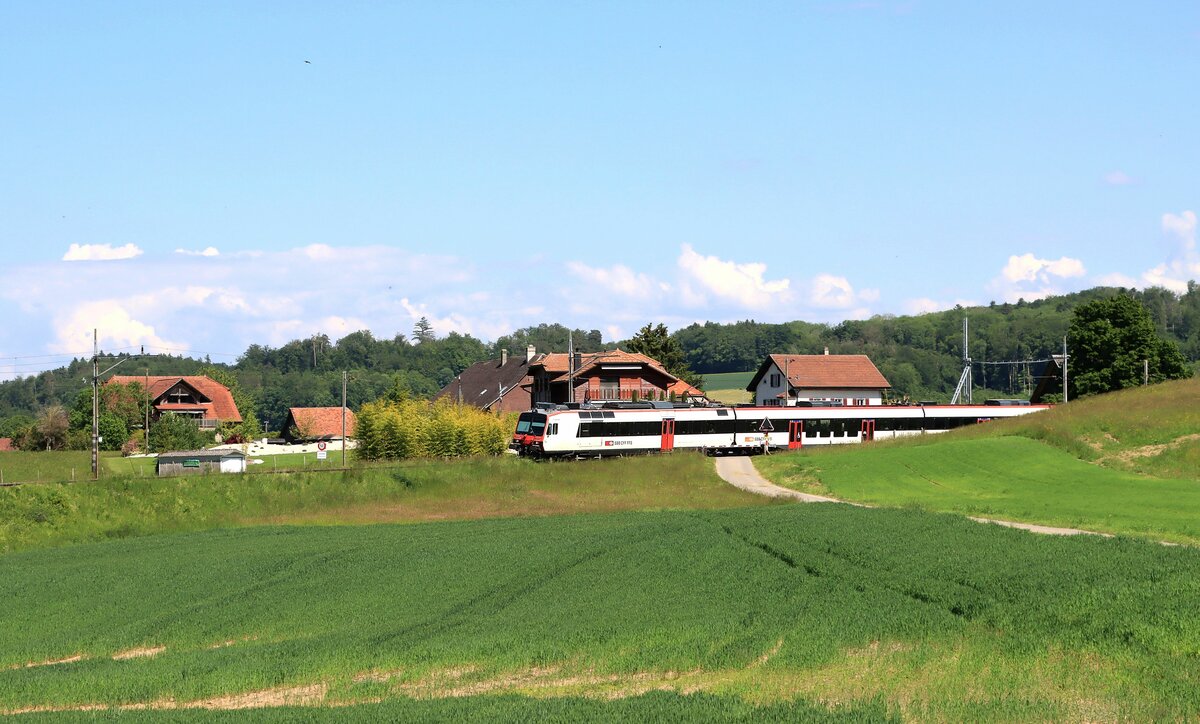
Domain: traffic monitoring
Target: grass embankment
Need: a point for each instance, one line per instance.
(884, 611)
(728, 387)
(56, 514)
(1128, 462)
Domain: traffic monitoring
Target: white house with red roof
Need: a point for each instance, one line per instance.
(201, 398)
(840, 379)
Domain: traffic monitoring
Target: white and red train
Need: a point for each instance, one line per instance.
(608, 431)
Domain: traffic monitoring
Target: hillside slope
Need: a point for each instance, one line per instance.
(1128, 462)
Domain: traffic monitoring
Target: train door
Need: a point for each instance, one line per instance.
(795, 434)
(868, 430)
(668, 435)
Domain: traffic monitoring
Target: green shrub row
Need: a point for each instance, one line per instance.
(390, 430)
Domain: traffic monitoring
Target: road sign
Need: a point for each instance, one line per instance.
(321, 446)
(321, 455)
(766, 425)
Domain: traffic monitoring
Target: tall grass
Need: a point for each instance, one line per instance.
(50, 515)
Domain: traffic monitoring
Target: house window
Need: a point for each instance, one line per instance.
(775, 379)
(860, 401)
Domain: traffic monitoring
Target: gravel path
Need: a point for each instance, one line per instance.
(741, 473)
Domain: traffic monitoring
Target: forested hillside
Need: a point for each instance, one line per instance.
(920, 355)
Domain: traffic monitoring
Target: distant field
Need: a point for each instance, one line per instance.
(57, 514)
(728, 387)
(774, 612)
(728, 380)
(1128, 462)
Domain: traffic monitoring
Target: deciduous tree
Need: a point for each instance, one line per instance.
(1109, 342)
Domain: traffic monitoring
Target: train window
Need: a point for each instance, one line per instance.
(608, 415)
(722, 413)
(553, 429)
(523, 423)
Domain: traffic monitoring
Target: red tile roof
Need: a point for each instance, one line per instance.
(559, 362)
(219, 405)
(681, 388)
(6, 444)
(316, 422)
(842, 371)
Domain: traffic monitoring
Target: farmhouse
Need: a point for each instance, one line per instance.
(200, 462)
(598, 377)
(307, 424)
(497, 384)
(205, 400)
(842, 379)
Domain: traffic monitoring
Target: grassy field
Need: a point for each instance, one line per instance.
(57, 514)
(44, 466)
(728, 387)
(790, 607)
(1123, 463)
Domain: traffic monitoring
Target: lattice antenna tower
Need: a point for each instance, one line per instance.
(963, 391)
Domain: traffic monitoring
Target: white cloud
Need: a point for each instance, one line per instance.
(1183, 226)
(206, 251)
(1029, 268)
(741, 283)
(619, 279)
(1116, 279)
(100, 252)
(1117, 178)
(925, 305)
(832, 292)
(1184, 264)
(1030, 277)
(116, 327)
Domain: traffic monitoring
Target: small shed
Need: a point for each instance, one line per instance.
(201, 462)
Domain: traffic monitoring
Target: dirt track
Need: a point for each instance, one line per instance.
(741, 473)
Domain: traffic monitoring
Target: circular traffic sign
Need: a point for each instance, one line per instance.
(320, 446)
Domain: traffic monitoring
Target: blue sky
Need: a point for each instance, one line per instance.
(179, 176)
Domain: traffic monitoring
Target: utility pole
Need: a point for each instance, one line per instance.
(95, 404)
(146, 428)
(1064, 368)
(344, 417)
(571, 364)
(1145, 371)
(787, 384)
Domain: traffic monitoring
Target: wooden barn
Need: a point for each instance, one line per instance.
(200, 462)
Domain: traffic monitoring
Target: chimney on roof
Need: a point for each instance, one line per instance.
(826, 351)
(530, 353)
(503, 357)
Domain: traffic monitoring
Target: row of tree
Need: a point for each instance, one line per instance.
(920, 355)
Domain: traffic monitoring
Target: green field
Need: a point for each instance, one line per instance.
(57, 514)
(728, 387)
(1128, 462)
(791, 606)
(44, 466)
